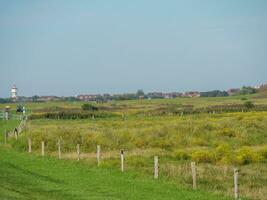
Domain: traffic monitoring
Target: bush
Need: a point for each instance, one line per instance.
(89, 107)
(203, 156)
(181, 155)
(223, 153)
(227, 132)
(72, 115)
(263, 152)
(246, 155)
(248, 104)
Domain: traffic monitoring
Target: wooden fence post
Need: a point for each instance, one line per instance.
(30, 144)
(43, 148)
(156, 167)
(98, 154)
(6, 137)
(194, 175)
(16, 135)
(59, 149)
(122, 160)
(236, 183)
(78, 152)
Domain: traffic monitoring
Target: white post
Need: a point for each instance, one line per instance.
(122, 160)
(30, 144)
(98, 154)
(236, 183)
(59, 149)
(78, 152)
(194, 175)
(43, 148)
(156, 167)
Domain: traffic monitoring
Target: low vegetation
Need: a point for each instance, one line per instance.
(217, 133)
(30, 177)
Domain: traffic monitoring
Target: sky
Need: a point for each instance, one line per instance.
(69, 47)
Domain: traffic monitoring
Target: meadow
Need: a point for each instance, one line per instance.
(24, 177)
(216, 141)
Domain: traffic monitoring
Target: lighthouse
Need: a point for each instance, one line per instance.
(14, 91)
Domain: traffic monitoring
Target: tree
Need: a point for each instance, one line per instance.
(35, 98)
(140, 93)
(214, 93)
(247, 90)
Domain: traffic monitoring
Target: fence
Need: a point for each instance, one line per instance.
(16, 132)
(123, 159)
(13, 116)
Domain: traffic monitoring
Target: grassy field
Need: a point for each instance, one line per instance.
(30, 177)
(216, 142)
(129, 107)
(7, 125)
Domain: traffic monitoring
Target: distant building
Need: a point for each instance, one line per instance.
(191, 94)
(233, 91)
(14, 92)
(87, 97)
(48, 98)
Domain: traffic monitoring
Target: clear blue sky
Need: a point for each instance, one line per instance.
(64, 47)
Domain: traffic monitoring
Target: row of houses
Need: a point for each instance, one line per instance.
(151, 95)
(125, 96)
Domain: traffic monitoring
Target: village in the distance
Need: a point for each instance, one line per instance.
(140, 94)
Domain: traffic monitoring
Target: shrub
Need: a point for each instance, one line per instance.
(248, 104)
(203, 156)
(246, 155)
(72, 115)
(181, 155)
(223, 153)
(263, 152)
(89, 107)
(227, 132)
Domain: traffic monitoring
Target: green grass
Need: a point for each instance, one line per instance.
(25, 176)
(214, 141)
(7, 126)
(129, 107)
(217, 142)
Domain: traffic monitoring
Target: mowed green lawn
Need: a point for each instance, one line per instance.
(24, 176)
